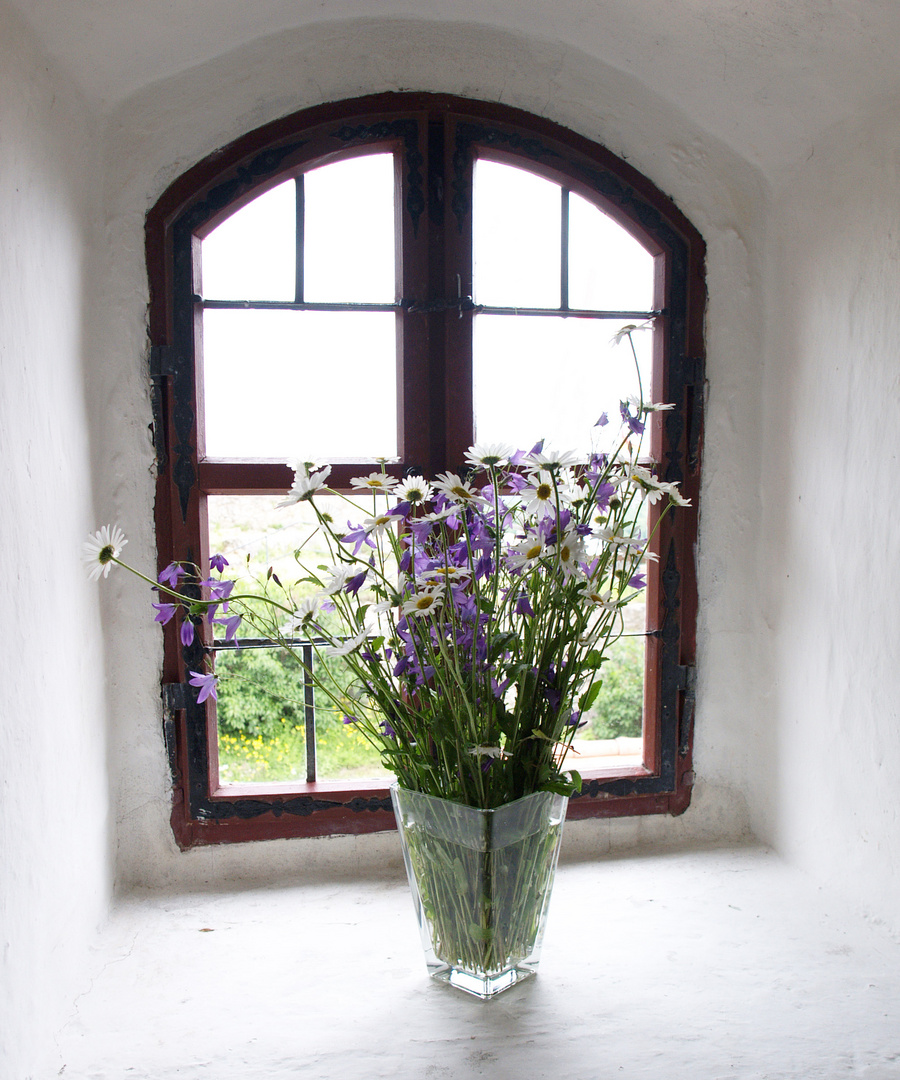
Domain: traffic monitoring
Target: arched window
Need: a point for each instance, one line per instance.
(391, 279)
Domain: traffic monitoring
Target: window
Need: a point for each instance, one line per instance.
(423, 246)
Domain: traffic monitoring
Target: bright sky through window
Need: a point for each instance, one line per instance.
(282, 383)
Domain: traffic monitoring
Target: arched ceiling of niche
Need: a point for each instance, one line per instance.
(761, 74)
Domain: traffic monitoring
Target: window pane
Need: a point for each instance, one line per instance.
(261, 707)
(349, 231)
(252, 254)
(608, 269)
(545, 377)
(282, 384)
(516, 237)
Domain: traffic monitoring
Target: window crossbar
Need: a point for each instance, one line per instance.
(291, 305)
(568, 313)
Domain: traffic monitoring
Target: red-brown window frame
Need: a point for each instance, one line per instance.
(438, 137)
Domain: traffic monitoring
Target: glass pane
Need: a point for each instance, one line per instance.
(312, 384)
(608, 269)
(349, 231)
(516, 237)
(261, 711)
(252, 254)
(542, 377)
(613, 726)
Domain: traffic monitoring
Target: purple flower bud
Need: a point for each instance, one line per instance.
(633, 423)
(217, 562)
(355, 583)
(523, 605)
(187, 633)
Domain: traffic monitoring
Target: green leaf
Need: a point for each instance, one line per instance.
(588, 698)
(593, 659)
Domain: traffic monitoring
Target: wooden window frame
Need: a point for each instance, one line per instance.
(437, 137)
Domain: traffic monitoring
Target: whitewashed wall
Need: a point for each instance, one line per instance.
(830, 798)
(161, 131)
(55, 850)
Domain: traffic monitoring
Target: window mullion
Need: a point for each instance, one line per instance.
(309, 713)
(564, 250)
(299, 238)
(456, 385)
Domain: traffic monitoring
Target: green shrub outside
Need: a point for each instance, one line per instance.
(261, 715)
(618, 709)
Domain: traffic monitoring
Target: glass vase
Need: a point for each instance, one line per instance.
(481, 883)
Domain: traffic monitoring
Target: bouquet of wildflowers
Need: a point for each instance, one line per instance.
(474, 611)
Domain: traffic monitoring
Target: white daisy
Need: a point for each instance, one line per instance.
(489, 455)
(341, 573)
(540, 497)
(526, 552)
(421, 603)
(647, 485)
(305, 485)
(457, 489)
(347, 646)
(614, 539)
(677, 498)
(378, 482)
(303, 614)
(488, 752)
(99, 550)
(627, 330)
(414, 489)
(552, 460)
(637, 406)
(451, 574)
(604, 600)
(569, 551)
(375, 526)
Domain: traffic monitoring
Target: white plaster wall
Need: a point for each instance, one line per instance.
(159, 132)
(55, 853)
(831, 568)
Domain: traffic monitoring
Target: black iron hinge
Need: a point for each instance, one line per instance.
(174, 696)
(694, 378)
(693, 370)
(162, 361)
(687, 684)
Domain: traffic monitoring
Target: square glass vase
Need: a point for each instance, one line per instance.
(481, 883)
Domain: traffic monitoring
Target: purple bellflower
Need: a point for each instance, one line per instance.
(206, 683)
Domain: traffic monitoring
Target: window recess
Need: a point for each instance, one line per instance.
(395, 277)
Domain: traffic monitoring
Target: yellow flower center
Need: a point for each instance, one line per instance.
(565, 553)
(533, 551)
(544, 491)
(461, 493)
(424, 603)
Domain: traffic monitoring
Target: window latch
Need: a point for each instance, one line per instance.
(427, 307)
